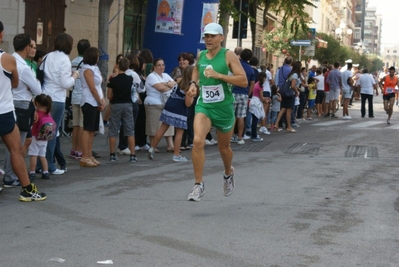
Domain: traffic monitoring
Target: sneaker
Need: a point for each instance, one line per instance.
(72, 154)
(46, 176)
(11, 183)
(32, 195)
(257, 139)
(234, 139)
(388, 122)
(95, 155)
(32, 176)
(64, 168)
(151, 153)
(264, 130)
(137, 148)
(133, 158)
(246, 137)
(125, 151)
(179, 159)
(228, 184)
(58, 172)
(241, 142)
(113, 158)
(146, 147)
(78, 155)
(295, 125)
(210, 142)
(346, 117)
(196, 193)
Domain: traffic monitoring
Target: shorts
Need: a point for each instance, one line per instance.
(320, 95)
(266, 94)
(7, 122)
(388, 96)
(346, 93)
(37, 147)
(91, 118)
(240, 105)
(122, 112)
(287, 102)
(311, 103)
(334, 94)
(77, 116)
(222, 118)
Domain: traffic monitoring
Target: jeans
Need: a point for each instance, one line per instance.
(248, 124)
(58, 153)
(57, 112)
(274, 115)
(369, 99)
(254, 126)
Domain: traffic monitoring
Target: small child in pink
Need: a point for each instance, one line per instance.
(37, 148)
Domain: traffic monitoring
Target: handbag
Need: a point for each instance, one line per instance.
(285, 90)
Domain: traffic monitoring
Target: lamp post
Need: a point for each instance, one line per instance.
(340, 32)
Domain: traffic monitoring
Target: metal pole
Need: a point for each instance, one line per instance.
(300, 54)
(239, 27)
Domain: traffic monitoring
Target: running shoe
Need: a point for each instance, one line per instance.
(113, 157)
(196, 193)
(241, 142)
(151, 153)
(133, 158)
(228, 183)
(179, 159)
(11, 183)
(31, 194)
(125, 151)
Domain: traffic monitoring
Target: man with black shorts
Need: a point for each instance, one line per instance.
(215, 69)
(388, 84)
(9, 131)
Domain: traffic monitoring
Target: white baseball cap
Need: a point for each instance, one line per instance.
(355, 65)
(213, 28)
(348, 61)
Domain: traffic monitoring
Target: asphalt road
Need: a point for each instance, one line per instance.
(325, 196)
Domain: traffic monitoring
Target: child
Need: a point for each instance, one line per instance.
(119, 93)
(256, 106)
(175, 114)
(276, 99)
(38, 146)
(311, 97)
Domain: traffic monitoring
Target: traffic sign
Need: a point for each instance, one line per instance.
(300, 42)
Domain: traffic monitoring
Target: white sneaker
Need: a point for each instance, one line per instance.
(179, 159)
(58, 172)
(264, 130)
(213, 141)
(246, 137)
(241, 142)
(137, 148)
(196, 193)
(151, 153)
(145, 147)
(228, 184)
(346, 117)
(125, 151)
(210, 142)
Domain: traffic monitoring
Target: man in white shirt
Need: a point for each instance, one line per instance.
(22, 95)
(346, 80)
(367, 86)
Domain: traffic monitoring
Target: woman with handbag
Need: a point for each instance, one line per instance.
(158, 86)
(288, 92)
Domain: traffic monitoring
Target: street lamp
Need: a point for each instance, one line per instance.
(339, 32)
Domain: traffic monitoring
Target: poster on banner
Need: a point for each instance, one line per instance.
(169, 16)
(209, 14)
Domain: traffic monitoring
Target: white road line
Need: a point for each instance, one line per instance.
(329, 123)
(365, 124)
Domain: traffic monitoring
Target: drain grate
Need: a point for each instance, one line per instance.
(361, 152)
(250, 146)
(304, 148)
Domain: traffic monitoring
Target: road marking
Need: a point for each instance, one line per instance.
(365, 124)
(329, 123)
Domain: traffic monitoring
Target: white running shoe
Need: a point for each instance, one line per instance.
(246, 137)
(125, 151)
(196, 193)
(264, 130)
(228, 184)
(145, 147)
(241, 142)
(151, 153)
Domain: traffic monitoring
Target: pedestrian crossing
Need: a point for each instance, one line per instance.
(359, 124)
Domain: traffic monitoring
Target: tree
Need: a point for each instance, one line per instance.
(104, 8)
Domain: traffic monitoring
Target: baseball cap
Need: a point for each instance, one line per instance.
(213, 28)
(348, 61)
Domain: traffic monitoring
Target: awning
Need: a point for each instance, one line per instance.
(321, 43)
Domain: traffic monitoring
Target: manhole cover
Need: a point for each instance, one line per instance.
(361, 152)
(249, 146)
(304, 148)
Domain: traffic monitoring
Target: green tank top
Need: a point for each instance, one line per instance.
(213, 92)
